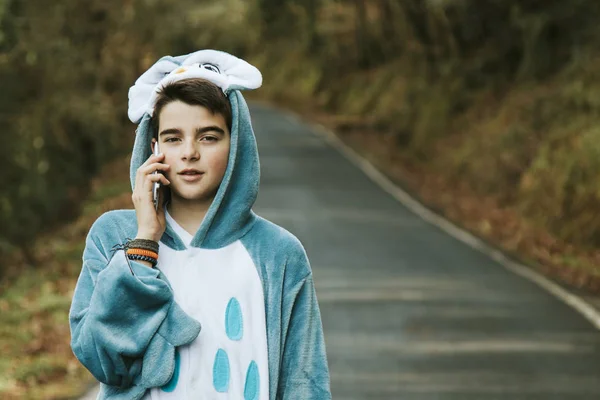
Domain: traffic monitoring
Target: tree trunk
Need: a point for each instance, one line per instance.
(362, 49)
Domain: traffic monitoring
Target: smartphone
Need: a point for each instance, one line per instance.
(156, 185)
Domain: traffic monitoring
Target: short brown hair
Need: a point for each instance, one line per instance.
(195, 92)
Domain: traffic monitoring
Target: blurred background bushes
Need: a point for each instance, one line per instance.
(65, 68)
(502, 94)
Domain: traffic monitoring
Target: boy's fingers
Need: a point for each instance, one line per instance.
(150, 168)
(153, 158)
(147, 175)
(151, 178)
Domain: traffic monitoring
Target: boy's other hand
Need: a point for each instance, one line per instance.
(151, 223)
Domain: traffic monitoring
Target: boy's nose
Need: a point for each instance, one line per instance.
(190, 151)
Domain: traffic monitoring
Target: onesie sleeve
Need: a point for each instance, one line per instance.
(304, 371)
(124, 321)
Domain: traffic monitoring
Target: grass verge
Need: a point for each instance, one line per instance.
(37, 361)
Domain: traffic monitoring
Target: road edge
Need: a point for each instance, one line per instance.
(583, 307)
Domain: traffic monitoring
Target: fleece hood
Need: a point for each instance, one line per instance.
(230, 215)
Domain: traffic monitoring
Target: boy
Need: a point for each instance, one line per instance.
(209, 300)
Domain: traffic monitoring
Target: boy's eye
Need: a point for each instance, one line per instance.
(209, 138)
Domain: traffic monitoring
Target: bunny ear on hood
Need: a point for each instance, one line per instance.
(230, 215)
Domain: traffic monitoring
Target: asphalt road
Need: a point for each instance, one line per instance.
(410, 312)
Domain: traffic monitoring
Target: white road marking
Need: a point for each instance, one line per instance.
(453, 347)
(480, 297)
(468, 382)
(347, 214)
(364, 282)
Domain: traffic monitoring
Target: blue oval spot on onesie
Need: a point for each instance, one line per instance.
(234, 325)
(170, 386)
(221, 371)
(251, 387)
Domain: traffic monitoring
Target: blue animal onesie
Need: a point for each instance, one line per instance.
(227, 313)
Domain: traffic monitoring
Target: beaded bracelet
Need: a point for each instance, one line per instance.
(152, 260)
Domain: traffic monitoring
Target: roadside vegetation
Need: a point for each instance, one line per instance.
(487, 111)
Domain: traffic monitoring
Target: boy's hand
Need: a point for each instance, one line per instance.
(151, 223)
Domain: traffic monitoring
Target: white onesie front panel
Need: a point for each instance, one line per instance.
(220, 288)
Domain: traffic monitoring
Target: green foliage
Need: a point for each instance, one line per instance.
(448, 79)
(501, 94)
(65, 69)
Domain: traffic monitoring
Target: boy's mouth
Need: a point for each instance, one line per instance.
(189, 171)
(191, 177)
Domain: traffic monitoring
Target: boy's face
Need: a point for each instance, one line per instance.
(192, 137)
